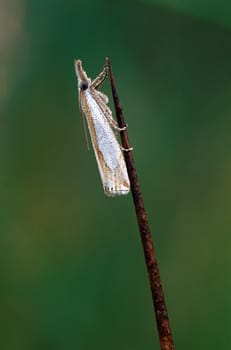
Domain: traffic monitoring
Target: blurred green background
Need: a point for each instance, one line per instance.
(72, 273)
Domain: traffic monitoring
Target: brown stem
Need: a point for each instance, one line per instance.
(160, 308)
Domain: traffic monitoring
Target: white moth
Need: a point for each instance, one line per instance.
(109, 157)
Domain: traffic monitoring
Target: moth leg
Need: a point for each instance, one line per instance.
(100, 79)
(113, 122)
(126, 149)
(103, 97)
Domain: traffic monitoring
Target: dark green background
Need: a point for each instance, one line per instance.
(72, 274)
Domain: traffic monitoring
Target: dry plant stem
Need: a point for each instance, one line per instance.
(162, 320)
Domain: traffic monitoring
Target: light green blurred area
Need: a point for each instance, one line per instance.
(72, 273)
(212, 10)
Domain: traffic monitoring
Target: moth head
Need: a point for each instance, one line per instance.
(83, 80)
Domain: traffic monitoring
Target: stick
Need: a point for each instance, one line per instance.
(160, 308)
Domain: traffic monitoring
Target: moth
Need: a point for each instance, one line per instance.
(102, 128)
